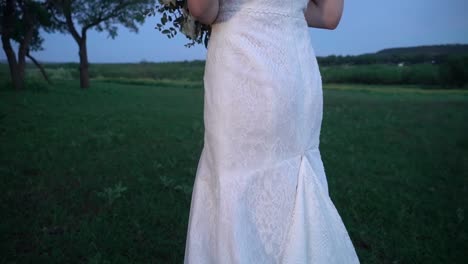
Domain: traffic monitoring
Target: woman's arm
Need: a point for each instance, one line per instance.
(324, 13)
(204, 11)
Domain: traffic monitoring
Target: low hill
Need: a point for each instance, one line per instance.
(449, 49)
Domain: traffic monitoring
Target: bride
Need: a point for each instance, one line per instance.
(260, 193)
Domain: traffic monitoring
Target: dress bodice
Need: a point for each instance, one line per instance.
(293, 8)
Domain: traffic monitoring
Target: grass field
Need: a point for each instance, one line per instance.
(105, 175)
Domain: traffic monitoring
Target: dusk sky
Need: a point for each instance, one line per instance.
(366, 26)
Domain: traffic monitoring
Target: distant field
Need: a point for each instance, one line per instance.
(419, 74)
(192, 70)
(426, 75)
(105, 175)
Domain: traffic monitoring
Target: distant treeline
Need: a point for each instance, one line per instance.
(449, 49)
(435, 54)
(450, 74)
(366, 59)
(399, 67)
(440, 65)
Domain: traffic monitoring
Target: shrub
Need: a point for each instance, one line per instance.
(454, 72)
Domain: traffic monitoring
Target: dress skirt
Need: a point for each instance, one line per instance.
(260, 193)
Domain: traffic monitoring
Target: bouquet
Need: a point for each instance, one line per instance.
(176, 17)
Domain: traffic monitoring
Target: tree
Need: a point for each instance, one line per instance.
(101, 15)
(20, 21)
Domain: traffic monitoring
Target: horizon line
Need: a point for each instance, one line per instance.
(5, 60)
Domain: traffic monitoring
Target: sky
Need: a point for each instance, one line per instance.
(366, 26)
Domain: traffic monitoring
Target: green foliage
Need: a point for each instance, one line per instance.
(190, 73)
(101, 15)
(37, 85)
(21, 22)
(175, 17)
(430, 75)
(63, 73)
(454, 71)
(110, 194)
(26, 16)
(34, 84)
(447, 49)
(435, 54)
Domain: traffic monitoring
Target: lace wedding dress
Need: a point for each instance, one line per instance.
(260, 193)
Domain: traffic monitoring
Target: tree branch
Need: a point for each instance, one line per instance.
(115, 12)
(38, 65)
(58, 20)
(67, 12)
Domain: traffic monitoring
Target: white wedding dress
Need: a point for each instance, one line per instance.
(260, 193)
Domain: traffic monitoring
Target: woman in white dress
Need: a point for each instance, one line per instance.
(260, 193)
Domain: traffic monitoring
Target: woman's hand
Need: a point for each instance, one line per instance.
(324, 13)
(204, 11)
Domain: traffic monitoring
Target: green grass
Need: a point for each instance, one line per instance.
(105, 175)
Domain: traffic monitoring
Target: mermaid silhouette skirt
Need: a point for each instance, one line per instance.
(260, 193)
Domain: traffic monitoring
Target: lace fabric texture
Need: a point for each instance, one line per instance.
(260, 193)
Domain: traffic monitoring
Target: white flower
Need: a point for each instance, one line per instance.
(189, 28)
(168, 2)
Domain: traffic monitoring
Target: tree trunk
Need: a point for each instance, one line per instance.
(7, 27)
(39, 66)
(84, 70)
(15, 71)
(23, 48)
